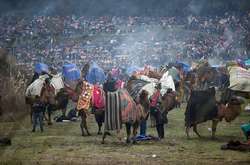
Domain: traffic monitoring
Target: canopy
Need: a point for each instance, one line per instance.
(71, 72)
(41, 67)
(95, 74)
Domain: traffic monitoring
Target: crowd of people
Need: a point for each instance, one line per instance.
(111, 40)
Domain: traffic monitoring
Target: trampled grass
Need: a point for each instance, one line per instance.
(62, 143)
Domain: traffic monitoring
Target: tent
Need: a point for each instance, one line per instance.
(71, 72)
(95, 74)
(41, 67)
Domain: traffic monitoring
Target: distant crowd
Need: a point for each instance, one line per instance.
(112, 41)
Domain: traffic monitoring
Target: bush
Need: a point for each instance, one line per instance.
(13, 82)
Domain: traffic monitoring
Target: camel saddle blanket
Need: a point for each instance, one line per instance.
(239, 79)
(84, 100)
(35, 88)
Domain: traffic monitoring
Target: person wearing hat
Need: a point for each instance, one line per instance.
(155, 110)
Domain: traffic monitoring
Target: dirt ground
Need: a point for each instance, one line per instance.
(62, 143)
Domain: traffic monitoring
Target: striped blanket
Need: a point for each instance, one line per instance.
(120, 108)
(113, 111)
(134, 87)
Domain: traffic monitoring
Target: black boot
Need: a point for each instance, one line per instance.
(158, 130)
(162, 131)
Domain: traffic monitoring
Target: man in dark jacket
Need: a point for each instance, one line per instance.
(109, 85)
(38, 109)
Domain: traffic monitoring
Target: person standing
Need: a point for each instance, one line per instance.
(143, 100)
(38, 109)
(155, 111)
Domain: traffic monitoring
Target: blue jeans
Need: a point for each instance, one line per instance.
(37, 118)
(143, 127)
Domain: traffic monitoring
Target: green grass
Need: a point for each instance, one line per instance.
(62, 143)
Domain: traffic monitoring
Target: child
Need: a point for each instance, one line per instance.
(38, 108)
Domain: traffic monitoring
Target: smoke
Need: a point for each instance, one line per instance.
(152, 44)
(69, 7)
(196, 6)
(121, 7)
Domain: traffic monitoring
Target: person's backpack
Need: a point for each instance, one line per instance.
(98, 97)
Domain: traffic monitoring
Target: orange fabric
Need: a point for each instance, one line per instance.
(84, 100)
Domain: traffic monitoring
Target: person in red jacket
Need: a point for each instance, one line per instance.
(156, 112)
(98, 105)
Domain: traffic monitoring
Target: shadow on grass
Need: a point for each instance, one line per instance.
(223, 138)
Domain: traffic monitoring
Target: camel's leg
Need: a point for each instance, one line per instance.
(104, 136)
(49, 118)
(195, 130)
(85, 123)
(98, 118)
(48, 111)
(64, 112)
(187, 132)
(128, 131)
(82, 123)
(135, 128)
(31, 114)
(214, 126)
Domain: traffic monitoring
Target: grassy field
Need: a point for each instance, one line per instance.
(62, 143)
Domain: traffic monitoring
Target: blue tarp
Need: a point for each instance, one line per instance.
(71, 72)
(247, 62)
(185, 66)
(246, 129)
(146, 138)
(41, 67)
(95, 74)
(132, 69)
(216, 66)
